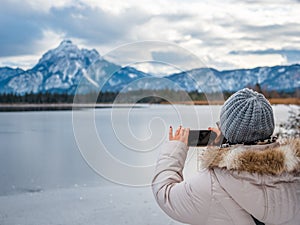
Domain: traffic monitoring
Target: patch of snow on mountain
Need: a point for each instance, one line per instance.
(262, 74)
(114, 82)
(26, 83)
(132, 75)
(90, 79)
(55, 82)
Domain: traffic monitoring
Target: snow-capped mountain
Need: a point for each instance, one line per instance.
(62, 69)
(286, 78)
(57, 71)
(202, 80)
(280, 78)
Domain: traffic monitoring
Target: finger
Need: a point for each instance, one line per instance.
(182, 131)
(186, 136)
(187, 131)
(214, 129)
(171, 133)
(177, 131)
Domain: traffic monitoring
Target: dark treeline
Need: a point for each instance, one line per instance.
(137, 96)
(38, 98)
(276, 94)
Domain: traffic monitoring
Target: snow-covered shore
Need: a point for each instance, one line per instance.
(106, 205)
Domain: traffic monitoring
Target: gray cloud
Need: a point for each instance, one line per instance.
(19, 28)
(292, 55)
(176, 17)
(173, 56)
(276, 30)
(22, 26)
(248, 34)
(94, 25)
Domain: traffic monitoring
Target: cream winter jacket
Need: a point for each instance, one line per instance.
(233, 184)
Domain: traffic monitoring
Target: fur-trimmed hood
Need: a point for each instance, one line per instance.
(269, 159)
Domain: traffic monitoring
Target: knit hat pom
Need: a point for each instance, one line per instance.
(246, 116)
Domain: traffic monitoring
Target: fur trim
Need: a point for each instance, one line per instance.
(272, 159)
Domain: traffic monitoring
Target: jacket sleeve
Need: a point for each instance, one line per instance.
(172, 193)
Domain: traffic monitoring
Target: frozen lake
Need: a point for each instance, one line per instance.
(39, 149)
(42, 169)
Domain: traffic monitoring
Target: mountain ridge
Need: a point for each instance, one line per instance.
(62, 69)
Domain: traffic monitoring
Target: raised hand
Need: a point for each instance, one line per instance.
(181, 134)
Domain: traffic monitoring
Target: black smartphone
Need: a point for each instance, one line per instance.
(201, 137)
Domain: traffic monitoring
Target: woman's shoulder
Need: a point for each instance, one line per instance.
(268, 158)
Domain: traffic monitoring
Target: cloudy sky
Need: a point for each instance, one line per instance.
(222, 34)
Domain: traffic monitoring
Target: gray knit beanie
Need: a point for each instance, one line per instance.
(246, 117)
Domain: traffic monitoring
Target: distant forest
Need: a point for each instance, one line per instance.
(151, 96)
